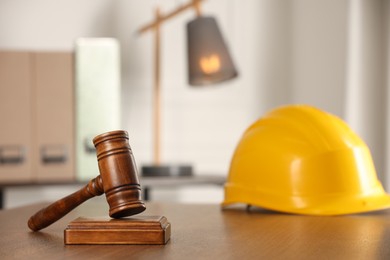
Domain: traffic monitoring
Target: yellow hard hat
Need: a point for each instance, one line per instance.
(299, 159)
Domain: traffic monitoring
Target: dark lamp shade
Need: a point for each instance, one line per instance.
(209, 60)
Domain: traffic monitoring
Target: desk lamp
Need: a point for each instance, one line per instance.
(209, 62)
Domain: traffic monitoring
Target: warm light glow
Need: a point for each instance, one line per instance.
(210, 64)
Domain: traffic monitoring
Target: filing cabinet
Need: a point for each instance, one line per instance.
(52, 104)
(36, 106)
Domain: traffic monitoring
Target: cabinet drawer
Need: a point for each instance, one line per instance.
(16, 113)
(54, 120)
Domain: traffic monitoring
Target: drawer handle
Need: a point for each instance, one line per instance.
(12, 154)
(54, 154)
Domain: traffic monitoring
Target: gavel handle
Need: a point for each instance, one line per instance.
(60, 208)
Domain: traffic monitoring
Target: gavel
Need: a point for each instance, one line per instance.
(118, 179)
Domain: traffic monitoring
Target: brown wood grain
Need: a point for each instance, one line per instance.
(143, 230)
(58, 209)
(206, 232)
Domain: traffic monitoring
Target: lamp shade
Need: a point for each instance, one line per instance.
(209, 60)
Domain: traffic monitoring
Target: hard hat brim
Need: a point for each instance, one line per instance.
(336, 204)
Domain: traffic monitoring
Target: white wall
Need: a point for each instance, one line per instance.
(200, 126)
(286, 52)
(319, 48)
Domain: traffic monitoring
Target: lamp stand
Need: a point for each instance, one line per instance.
(158, 169)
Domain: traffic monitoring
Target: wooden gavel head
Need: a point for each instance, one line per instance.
(119, 174)
(118, 179)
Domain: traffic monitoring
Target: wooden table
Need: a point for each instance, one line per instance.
(207, 232)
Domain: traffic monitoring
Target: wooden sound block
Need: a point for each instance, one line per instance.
(142, 230)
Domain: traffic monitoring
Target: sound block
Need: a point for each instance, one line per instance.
(142, 230)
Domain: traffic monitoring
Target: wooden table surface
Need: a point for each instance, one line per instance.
(206, 232)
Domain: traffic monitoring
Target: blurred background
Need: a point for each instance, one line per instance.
(332, 54)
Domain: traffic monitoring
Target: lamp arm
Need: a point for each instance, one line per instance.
(196, 5)
(192, 4)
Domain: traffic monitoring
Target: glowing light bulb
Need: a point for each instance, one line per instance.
(211, 64)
